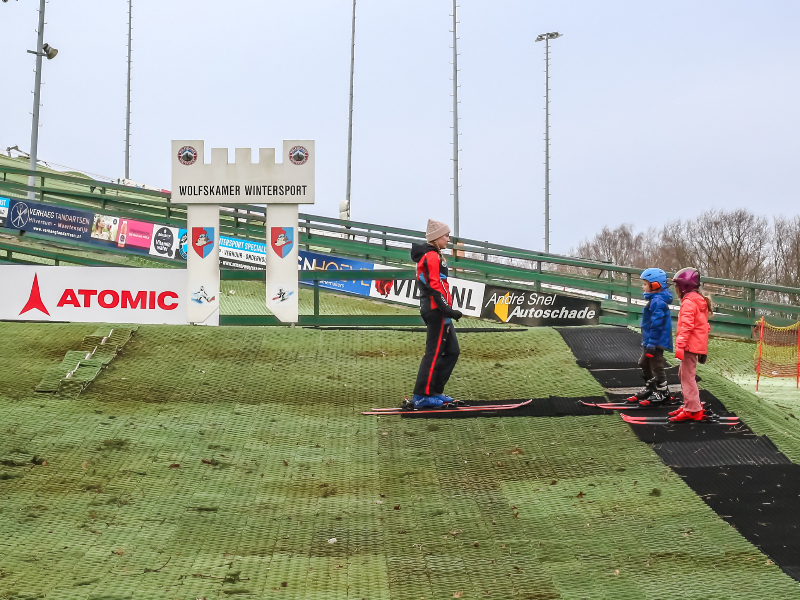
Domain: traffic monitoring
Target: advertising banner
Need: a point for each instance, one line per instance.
(538, 309)
(314, 261)
(242, 254)
(93, 294)
(467, 295)
(104, 228)
(47, 219)
(136, 234)
(4, 202)
(168, 242)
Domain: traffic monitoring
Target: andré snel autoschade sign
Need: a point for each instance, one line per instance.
(538, 309)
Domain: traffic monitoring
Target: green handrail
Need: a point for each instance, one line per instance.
(487, 262)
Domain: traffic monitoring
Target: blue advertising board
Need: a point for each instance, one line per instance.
(313, 261)
(47, 219)
(4, 202)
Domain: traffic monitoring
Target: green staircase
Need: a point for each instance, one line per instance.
(80, 367)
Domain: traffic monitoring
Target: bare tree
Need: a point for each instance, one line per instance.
(730, 245)
(620, 246)
(725, 244)
(786, 250)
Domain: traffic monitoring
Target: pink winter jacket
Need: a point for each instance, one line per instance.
(693, 327)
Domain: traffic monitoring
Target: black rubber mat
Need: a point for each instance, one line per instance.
(762, 502)
(744, 478)
(603, 347)
(628, 378)
(540, 407)
(689, 432)
(721, 452)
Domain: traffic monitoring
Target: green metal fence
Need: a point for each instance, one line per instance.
(739, 304)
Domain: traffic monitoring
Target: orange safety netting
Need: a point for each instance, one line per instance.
(778, 353)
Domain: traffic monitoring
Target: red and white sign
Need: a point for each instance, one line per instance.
(93, 294)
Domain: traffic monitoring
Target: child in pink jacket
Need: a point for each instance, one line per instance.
(691, 341)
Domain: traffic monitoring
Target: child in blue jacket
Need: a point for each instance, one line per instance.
(656, 337)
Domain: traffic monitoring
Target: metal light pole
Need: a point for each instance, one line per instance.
(455, 123)
(128, 112)
(344, 209)
(547, 37)
(37, 95)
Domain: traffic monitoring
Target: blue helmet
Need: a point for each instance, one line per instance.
(655, 275)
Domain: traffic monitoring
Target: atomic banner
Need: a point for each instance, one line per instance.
(93, 294)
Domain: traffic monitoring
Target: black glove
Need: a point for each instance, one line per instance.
(650, 352)
(456, 314)
(702, 359)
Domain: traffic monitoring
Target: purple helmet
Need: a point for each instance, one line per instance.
(687, 280)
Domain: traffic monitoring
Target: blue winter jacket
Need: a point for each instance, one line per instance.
(657, 320)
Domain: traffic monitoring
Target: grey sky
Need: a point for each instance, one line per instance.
(659, 111)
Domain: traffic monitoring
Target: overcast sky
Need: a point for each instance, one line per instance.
(659, 110)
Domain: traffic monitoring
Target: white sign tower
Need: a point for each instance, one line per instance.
(203, 187)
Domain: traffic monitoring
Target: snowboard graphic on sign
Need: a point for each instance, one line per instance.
(203, 240)
(282, 240)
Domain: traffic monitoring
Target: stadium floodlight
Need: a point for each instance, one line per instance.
(546, 37)
(49, 51)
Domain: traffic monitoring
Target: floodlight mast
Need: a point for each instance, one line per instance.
(344, 208)
(546, 37)
(128, 104)
(456, 231)
(37, 95)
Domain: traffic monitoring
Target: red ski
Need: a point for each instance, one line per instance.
(666, 421)
(486, 408)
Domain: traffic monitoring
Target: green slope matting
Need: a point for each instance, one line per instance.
(302, 497)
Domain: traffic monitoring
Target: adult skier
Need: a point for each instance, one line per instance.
(436, 308)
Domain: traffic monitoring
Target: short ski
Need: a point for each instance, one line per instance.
(488, 408)
(665, 420)
(628, 405)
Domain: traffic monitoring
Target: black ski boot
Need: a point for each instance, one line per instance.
(658, 397)
(644, 393)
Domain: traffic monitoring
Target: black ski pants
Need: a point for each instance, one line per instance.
(654, 367)
(441, 354)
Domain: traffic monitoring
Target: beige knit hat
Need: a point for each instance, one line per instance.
(435, 230)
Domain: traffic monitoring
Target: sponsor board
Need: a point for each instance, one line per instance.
(4, 202)
(467, 295)
(166, 242)
(93, 294)
(314, 261)
(242, 254)
(136, 234)
(46, 219)
(105, 228)
(537, 309)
